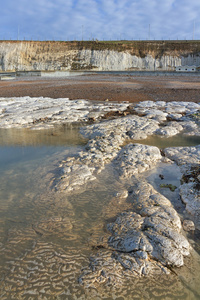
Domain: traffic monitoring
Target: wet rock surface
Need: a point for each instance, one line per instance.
(188, 158)
(52, 226)
(153, 230)
(105, 141)
(136, 158)
(107, 138)
(184, 156)
(41, 113)
(110, 268)
(146, 241)
(188, 225)
(143, 234)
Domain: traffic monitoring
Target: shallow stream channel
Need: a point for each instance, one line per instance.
(95, 212)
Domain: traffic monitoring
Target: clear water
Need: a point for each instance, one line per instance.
(178, 140)
(46, 238)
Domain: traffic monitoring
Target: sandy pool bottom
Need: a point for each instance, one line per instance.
(46, 238)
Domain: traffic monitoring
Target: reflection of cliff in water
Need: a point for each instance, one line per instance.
(57, 136)
(179, 140)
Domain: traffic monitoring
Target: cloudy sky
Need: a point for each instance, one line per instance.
(99, 19)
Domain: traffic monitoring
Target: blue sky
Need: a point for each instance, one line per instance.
(99, 19)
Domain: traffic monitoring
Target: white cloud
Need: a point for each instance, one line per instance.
(102, 19)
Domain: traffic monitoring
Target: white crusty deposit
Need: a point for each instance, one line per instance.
(188, 158)
(136, 158)
(148, 239)
(39, 113)
(142, 243)
(105, 141)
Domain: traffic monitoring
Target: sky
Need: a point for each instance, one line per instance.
(69, 20)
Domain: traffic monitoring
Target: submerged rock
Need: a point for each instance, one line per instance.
(188, 158)
(75, 176)
(114, 268)
(143, 242)
(54, 225)
(188, 225)
(190, 195)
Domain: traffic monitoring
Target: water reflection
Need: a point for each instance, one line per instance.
(57, 136)
(178, 140)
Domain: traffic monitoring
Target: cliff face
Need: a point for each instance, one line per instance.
(102, 56)
(109, 60)
(35, 56)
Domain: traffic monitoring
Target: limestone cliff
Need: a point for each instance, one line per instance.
(144, 55)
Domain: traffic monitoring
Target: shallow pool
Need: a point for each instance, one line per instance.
(179, 140)
(46, 237)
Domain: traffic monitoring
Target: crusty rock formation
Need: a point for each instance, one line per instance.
(145, 243)
(147, 238)
(188, 158)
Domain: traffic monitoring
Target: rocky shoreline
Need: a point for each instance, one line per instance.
(147, 239)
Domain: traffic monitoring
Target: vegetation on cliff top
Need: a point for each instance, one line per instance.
(140, 48)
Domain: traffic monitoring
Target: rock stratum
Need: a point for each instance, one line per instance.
(100, 56)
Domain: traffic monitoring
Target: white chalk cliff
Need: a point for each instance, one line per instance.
(51, 56)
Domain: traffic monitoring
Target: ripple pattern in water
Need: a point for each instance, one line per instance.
(43, 272)
(46, 271)
(47, 239)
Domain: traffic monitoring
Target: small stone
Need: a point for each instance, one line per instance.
(122, 194)
(188, 225)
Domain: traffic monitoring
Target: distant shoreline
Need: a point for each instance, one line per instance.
(102, 86)
(89, 72)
